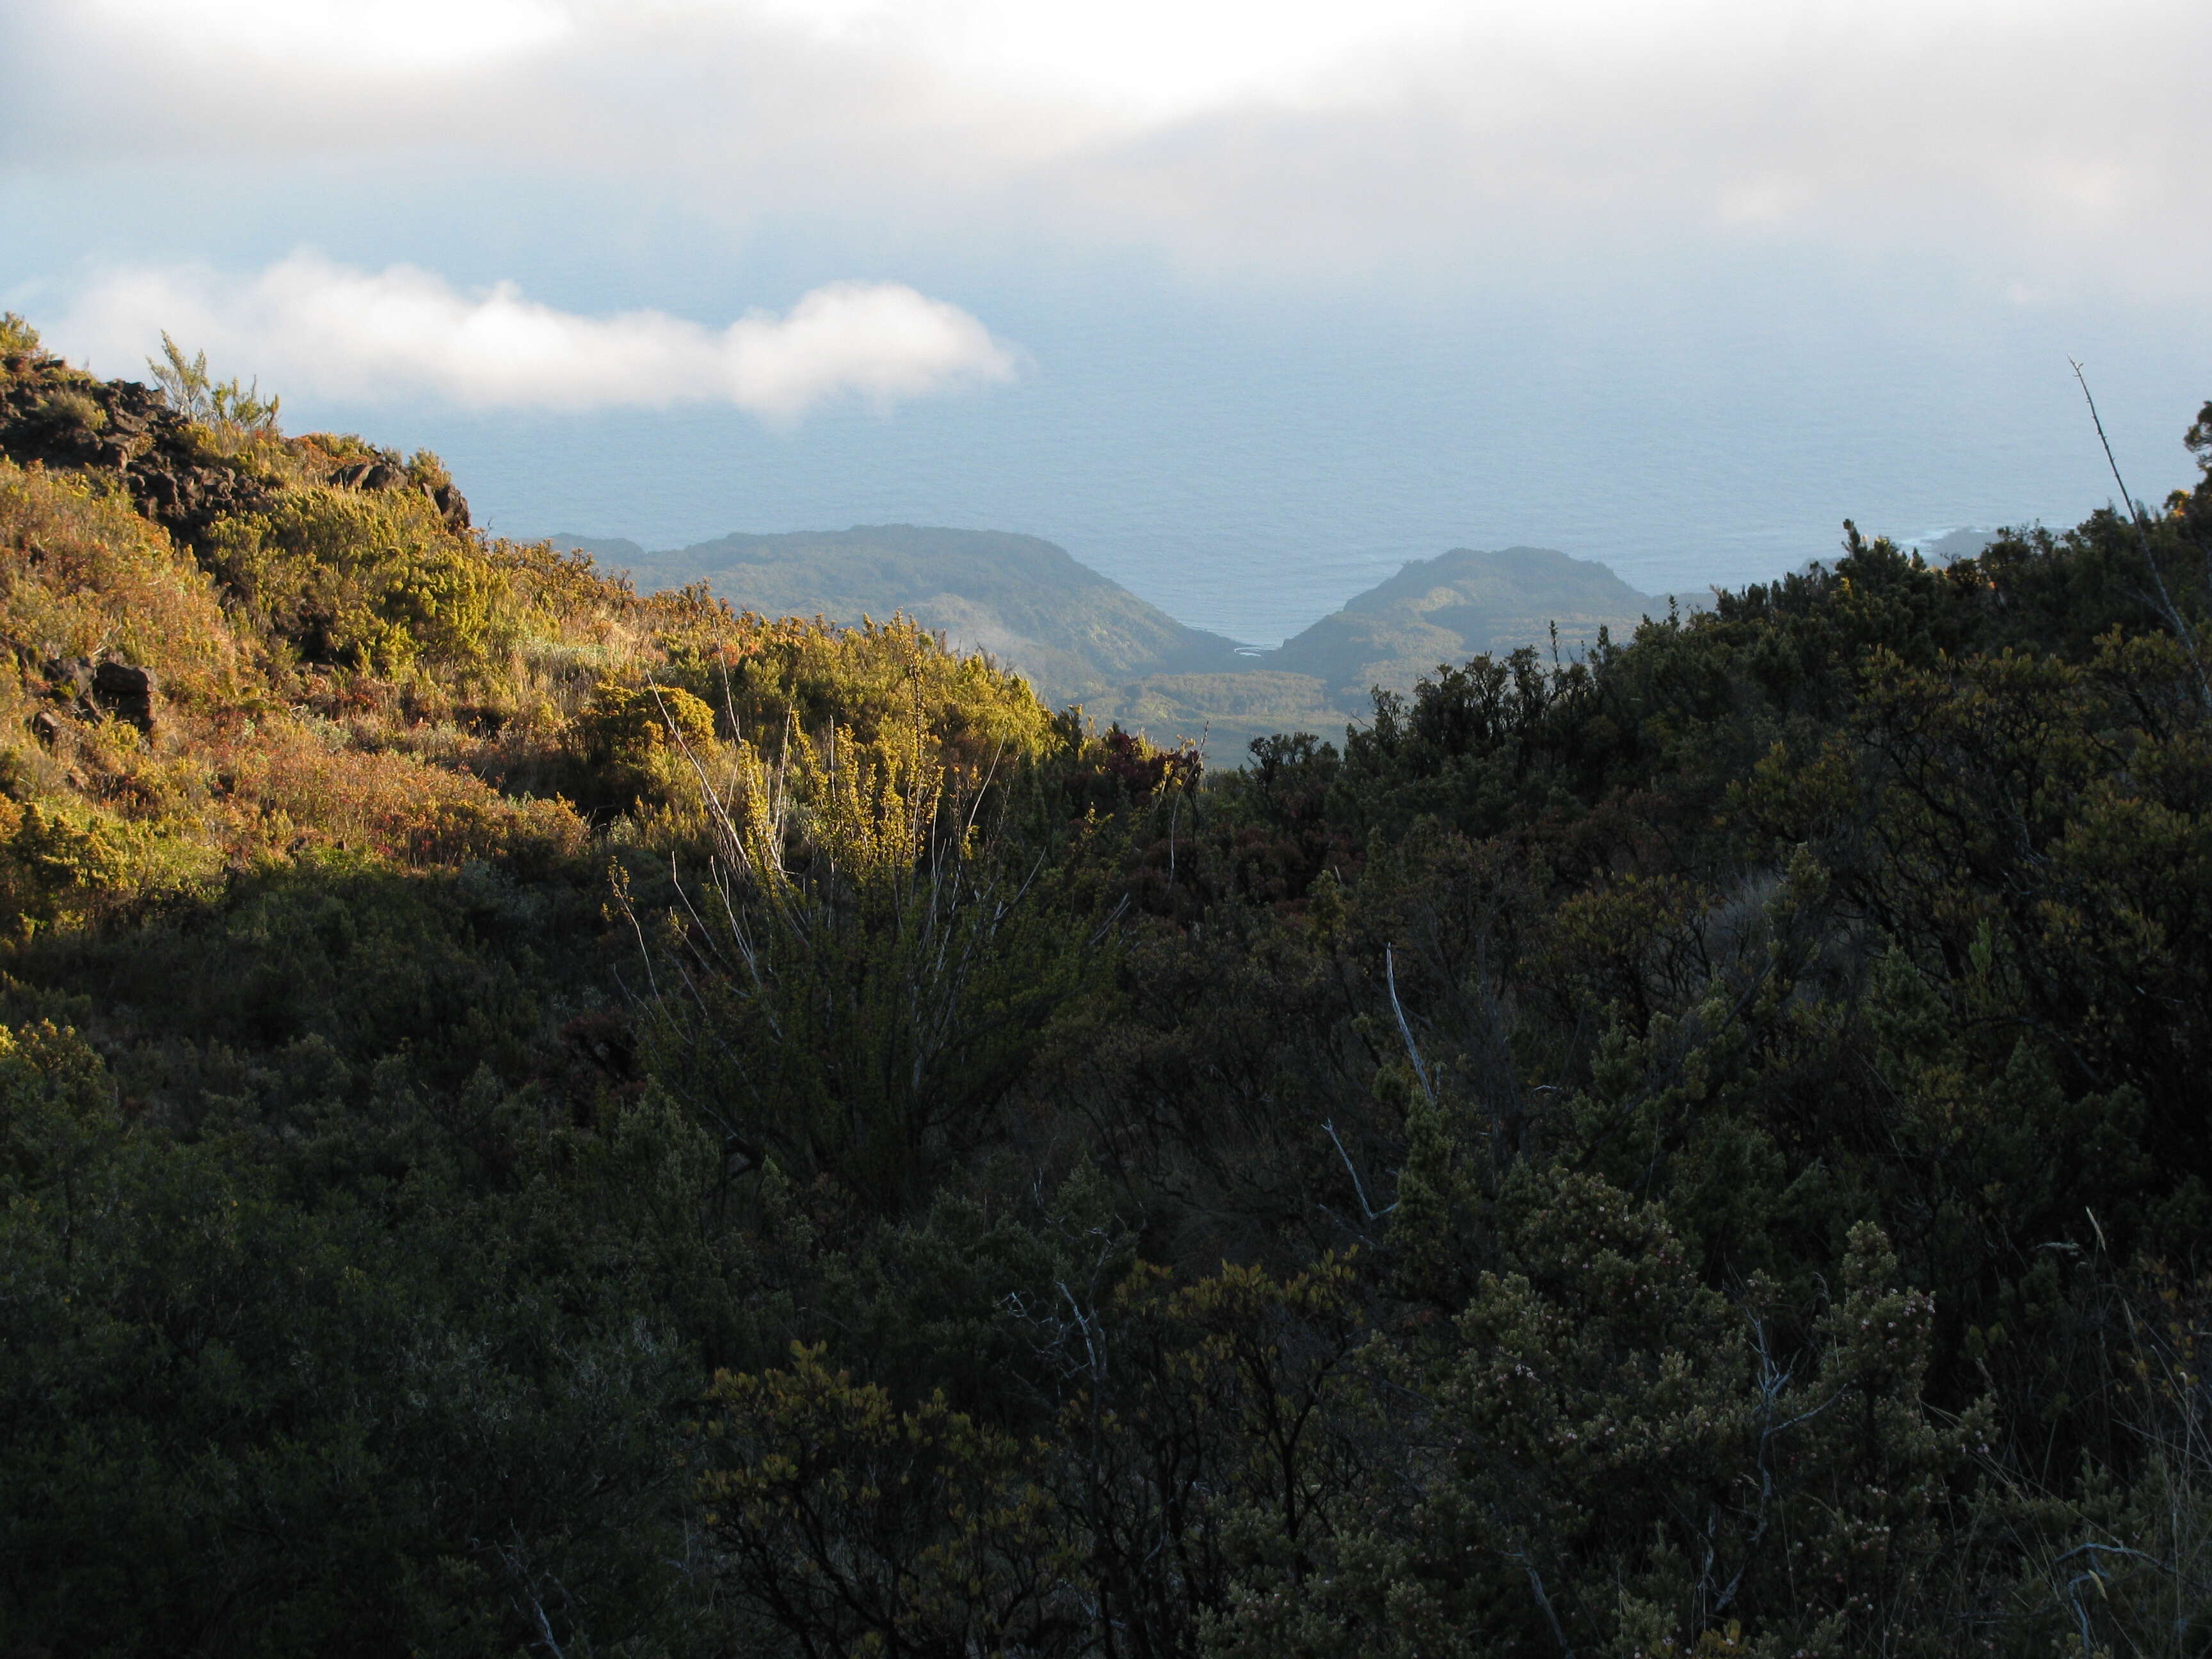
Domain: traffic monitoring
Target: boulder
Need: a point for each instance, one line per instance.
(381, 474)
(127, 691)
(377, 474)
(69, 676)
(451, 502)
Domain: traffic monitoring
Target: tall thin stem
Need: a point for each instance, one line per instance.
(2172, 612)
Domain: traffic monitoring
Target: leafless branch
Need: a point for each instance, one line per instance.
(1390, 978)
(1357, 1188)
(2167, 608)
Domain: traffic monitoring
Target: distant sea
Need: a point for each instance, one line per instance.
(1249, 469)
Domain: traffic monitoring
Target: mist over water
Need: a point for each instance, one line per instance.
(1676, 290)
(1251, 489)
(1248, 460)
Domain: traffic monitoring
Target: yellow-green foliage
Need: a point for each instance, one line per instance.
(373, 581)
(868, 726)
(293, 788)
(68, 406)
(66, 861)
(55, 1103)
(107, 816)
(341, 669)
(223, 406)
(859, 746)
(873, 808)
(868, 679)
(96, 815)
(631, 724)
(641, 747)
(50, 866)
(82, 574)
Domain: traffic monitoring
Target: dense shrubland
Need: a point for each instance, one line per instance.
(534, 1118)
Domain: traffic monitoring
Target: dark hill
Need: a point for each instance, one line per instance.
(1445, 610)
(1072, 633)
(1080, 637)
(1456, 605)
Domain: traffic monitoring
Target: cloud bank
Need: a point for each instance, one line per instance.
(2019, 141)
(406, 36)
(308, 323)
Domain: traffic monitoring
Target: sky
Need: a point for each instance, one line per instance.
(1244, 304)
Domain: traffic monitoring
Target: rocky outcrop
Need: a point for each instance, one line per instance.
(186, 499)
(91, 689)
(126, 691)
(381, 472)
(54, 416)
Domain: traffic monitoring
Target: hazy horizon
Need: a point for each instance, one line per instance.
(1244, 307)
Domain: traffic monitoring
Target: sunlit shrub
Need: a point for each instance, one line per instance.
(872, 678)
(531, 835)
(17, 337)
(290, 790)
(87, 575)
(372, 581)
(224, 405)
(53, 866)
(63, 864)
(630, 725)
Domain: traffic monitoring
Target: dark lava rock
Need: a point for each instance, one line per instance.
(88, 690)
(69, 676)
(385, 474)
(127, 691)
(187, 498)
(54, 417)
(368, 475)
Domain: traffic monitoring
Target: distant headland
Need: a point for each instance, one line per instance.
(1079, 636)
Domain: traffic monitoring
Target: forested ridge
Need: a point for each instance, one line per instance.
(540, 1119)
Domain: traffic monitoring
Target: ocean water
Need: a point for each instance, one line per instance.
(1249, 458)
(1249, 472)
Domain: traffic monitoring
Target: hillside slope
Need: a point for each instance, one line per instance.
(228, 648)
(1456, 605)
(1078, 636)
(1072, 633)
(1434, 611)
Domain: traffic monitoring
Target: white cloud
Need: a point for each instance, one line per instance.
(1390, 139)
(394, 35)
(1145, 59)
(308, 324)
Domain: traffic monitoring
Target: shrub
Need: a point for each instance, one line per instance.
(17, 337)
(87, 575)
(291, 791)
(51, 866)
(631, 724)
(198, 397)
(372, 580)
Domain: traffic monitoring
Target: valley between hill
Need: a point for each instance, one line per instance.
(1079, 637)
